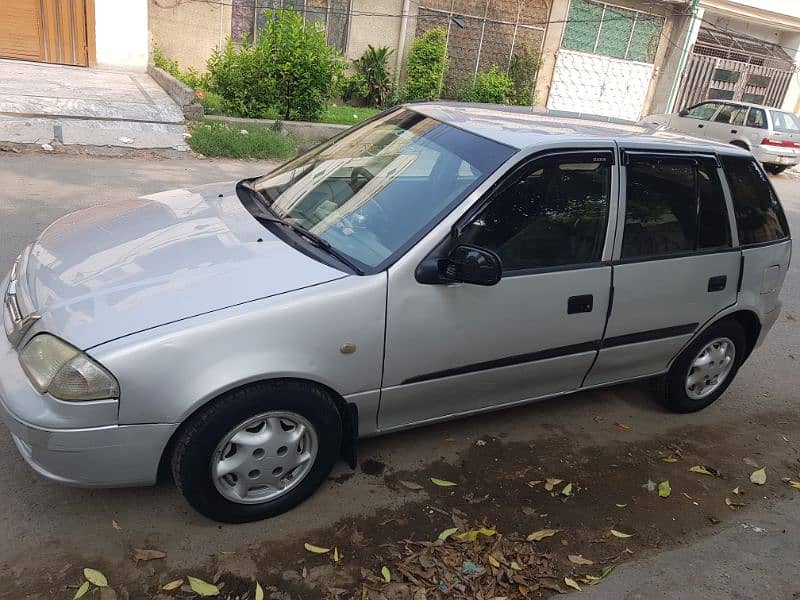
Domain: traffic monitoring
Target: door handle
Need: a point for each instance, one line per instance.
(718, 283)
(580, 304)
(734, 131)
(701, 125)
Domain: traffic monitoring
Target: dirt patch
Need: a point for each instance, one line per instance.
(511, 490)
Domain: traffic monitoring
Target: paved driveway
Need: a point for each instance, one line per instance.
(57, 104)
(681, 547)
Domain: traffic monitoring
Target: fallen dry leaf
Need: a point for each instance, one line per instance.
(794, 484)
(173, 585)
(571, 583)
(567, 491)
(95, 577)
(669, 459)
(116, 525)
(623, 426)
(336, 555)
(386, 574)
(442, 482)
(759, 477)
(733, 505)
(202, 588)
(688, 497)
(493, 561)
(579, 560)
(664, 490)
(447, 533)
(472, 535)
(316, 549)
(259, 595)
(81, 590)
(620, 505)
(147, 554)
(537, 536)
(515, 566)
(534, 483)
(704, 470)
(551, 483)
(736, 490)
(410, 485)
(619, 534)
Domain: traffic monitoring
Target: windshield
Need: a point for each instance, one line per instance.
(785, 121)
(382, 186)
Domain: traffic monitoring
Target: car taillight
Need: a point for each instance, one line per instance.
(780, 143)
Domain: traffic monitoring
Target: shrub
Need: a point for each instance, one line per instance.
(375, 85)
(290, 70)
(524, 67)
(427, 62)
(492, 86)
(191, 77)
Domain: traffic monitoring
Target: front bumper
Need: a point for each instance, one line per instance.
(78, 443)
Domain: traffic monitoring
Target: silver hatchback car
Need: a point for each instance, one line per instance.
(438, 261)
(772, 135)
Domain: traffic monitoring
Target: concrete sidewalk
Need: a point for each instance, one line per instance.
(88, 109)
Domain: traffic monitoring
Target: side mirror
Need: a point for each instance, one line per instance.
(683, 113)
(465, 264)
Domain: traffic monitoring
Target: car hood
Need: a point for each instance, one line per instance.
(112, 270)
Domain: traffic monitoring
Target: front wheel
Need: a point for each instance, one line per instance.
(775, 169)
(258, 451)
(705, 368)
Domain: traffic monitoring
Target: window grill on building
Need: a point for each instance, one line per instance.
(723, 44)
(608, 30)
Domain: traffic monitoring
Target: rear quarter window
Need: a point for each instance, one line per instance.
(759, 216)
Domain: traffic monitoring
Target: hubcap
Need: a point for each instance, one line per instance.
(264, 457)
(710, 368)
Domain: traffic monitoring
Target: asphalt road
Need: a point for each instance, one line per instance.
(48, 531)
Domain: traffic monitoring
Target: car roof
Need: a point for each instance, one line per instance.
(523, 127)
(738, 103)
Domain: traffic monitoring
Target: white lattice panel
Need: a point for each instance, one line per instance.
(599, 85)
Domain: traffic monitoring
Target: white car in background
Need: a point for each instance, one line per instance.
(772, 135)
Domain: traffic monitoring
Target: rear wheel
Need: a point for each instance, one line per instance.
(775, 169)
(257, 451)
(705, 368)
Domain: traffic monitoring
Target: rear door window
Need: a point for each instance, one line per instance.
(673, 206)
(759, 216)
(785, 121)
(757, 117)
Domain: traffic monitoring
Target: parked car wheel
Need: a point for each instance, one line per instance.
(258, 451)
(775, 169)
(705, 368)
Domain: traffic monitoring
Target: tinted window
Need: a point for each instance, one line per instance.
(757, 118)
(672, 207)
(759, 217)
(702, 111)
(553, 214)
(719, 94)
(732, 114)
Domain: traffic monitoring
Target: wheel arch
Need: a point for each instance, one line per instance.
(348, 412)
(741, 144)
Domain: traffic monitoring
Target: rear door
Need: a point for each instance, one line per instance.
(675, 265)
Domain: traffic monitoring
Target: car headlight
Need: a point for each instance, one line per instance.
(64, 372)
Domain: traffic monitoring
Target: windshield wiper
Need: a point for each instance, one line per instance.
(312, 237)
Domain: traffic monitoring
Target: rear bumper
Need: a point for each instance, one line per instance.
(773, 155)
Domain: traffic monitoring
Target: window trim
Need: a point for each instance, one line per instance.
(719, 103)
(509, 177)
(710, 159)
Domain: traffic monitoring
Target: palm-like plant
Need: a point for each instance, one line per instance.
(373, 67)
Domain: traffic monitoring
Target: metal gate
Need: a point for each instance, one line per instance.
(725, 79)
(599, 85)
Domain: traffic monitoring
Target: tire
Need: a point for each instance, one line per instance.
(775, 169)
(268, 409)
(675, 386)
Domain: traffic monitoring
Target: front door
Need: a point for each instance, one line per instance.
(45, 30)
(452, 349)
(675, 265)
(695, 119)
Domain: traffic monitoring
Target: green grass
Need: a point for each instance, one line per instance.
(213, 138)
(212, 103)
(346, 115)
